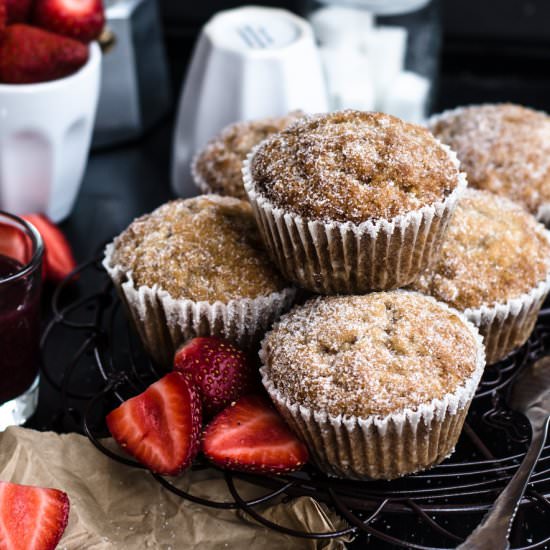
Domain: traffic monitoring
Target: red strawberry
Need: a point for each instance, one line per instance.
(18, 11)
(58, 260)
(3, 16)
(161, 426)
(31, 518)
(29, 55)
(221, 371)
(79, 19)
(14, 244)
(251, 436)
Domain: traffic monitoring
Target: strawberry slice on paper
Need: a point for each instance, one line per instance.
(251, 436)
(220, 370)
(31, 518)
(161, 426)
(79, 19)
(58, 259)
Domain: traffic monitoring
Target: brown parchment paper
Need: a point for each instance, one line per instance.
(117, 507)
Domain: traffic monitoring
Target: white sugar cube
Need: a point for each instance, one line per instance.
(348, 78)
(385, 47)
(334, 25)
(407, 97)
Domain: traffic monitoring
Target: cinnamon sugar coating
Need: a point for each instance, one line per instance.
(353, 166)
(205, 249)
(219, 164)
(503, 148)
(493, 251)
(375, 354)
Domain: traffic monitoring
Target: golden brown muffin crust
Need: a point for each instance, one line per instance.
(503, 148)
(353, 166)
(375, 354)
(204, 249)
(493, 251)
(219, 164)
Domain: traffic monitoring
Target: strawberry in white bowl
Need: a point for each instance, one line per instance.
(49, 88)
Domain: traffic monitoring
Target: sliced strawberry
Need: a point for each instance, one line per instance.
(58, 259)
(31, 518)
(251, 436)
(161, 426)
(79, 19)
(14, 244)
(29, 55)
(220, 370)
(18, 11)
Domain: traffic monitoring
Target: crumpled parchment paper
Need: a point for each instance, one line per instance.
(118, 507)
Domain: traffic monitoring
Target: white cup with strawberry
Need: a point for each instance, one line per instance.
(49, 88)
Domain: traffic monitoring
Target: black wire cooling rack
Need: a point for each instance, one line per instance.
(94, 360)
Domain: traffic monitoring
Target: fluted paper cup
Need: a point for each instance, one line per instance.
(507, 326)
(349, 258)
(164, 323)
(377, 447)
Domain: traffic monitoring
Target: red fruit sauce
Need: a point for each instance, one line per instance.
(19, 330)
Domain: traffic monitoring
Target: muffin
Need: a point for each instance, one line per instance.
(503, 148)
(495, 267)
(196, 267)
(218, 167)
(378, 386)
(352, 201)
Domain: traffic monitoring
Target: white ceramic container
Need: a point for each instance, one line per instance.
(45, 133)
(248, 63)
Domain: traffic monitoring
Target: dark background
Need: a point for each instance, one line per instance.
(493, 50)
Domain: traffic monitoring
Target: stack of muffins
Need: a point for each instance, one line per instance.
(410, 271)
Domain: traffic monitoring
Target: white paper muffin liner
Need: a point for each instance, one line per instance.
(164, 323)
(377, 447)
(198, 180)
(349, 258)
(543, 212)
(507, 326)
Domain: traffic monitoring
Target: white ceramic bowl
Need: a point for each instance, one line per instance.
(45, 133)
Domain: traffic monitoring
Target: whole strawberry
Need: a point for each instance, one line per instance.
(18, 11)
(3, 16)
(79, 19)
(29, 55)
(220, 370)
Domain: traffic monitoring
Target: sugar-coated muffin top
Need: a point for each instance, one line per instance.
(353, 166)
(493, 251)
(219, 164)
(375, 354)
(205, 249)
(503, 148)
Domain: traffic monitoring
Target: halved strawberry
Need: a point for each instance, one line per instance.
(220, 370)
(14, 244)
(31, 518)
(18, 11)
(79, 19)
(161, 426)
(58, 258)
(29, 55)
(251, 436)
